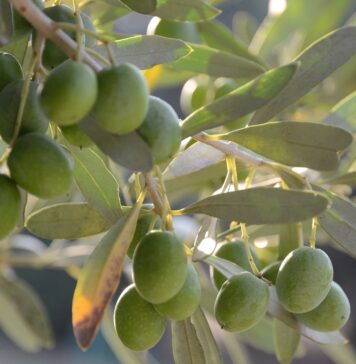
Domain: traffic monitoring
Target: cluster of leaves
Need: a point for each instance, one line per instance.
(269, 124)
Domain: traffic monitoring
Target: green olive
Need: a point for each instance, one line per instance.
(10, 205)
(69, 93)
(159, 266)
(40, 166)
(186, 301)
(234, 252)
(331, 315)
(242, 302)
(271, 271)
(161, 130)
(33, 118)
(304, 279)
(76, 136)
(10, 69)
(138, 325)
(122, 100)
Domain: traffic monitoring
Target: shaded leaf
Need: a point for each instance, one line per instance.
(141, 6)
(66, 221)
(23, 317)
(96, 182)
(100, 278)
(286, 341)
(290, 238)
(217, 35)
(240, 102)
(211, 350)
(6, 29)
(339, 222)
(217, 63)
(128, 150)
(185, 343)
(343, 114)
(291, 178)
(344, 179)
(299, 144)
(185, 10)
(261, 206)
(316, 63)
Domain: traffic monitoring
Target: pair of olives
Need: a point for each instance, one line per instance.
(165, 287)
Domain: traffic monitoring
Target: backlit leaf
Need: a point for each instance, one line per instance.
(66, 221)
(96, 182)
(299, 144)
(217, 63)
(316, 63)
(100, 278)
(141, 6)
(286, 341)
(261, 206)
(290, 238)
(240, 102)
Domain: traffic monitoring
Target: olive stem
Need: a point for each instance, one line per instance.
(312, 239)
(73, 27)
(245, 239)
(47, 27)
(98, 56)
(78, 33)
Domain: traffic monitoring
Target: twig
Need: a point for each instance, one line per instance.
(155, 197)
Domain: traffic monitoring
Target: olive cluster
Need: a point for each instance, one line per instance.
(117, 97)
(304, 285)
(166, 287)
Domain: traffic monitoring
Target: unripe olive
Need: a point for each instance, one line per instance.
(159, 266)
(10, 69)
(304, 279)
(234, 252)
(271, 271)
(138, 325)
(69, 93)
(10, 205)
(122, 100)
(40, 166)
(331, 315)
(242, 302)
(161, 130)
(172, 29)
(52, 54)
(186, 301)
(76, 136)
(33, 118)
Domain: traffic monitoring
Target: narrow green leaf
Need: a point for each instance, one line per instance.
(217, 35)
(146, 51)
(261, 206)
(344, 179)
(66, 221)
(23, 317)
(286, 341)
(185, 10)
(317, 62)
(96, 182)
(128, 150)
(291, 178)
(100, 278)
(339, 222)
(240, 102)
(217, 63)
(141, 6)
(340, 354)
(344, 114)
(290, 238)
(299, 144)
(185, 343)
(6, 23)
(211, 350)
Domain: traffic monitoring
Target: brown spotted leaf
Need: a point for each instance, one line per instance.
(100, 278)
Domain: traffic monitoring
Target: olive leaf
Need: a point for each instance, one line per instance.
(185, 10)
(141, 6)
(261, 206)
(316, 63)
(100, 277)
(66, 221)
(6, 22)
(300, 144)
(128, 150)
(217, 63)
(339, 222)
(22, 316)
(96, 182)
(239, 102)
(344, 179)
